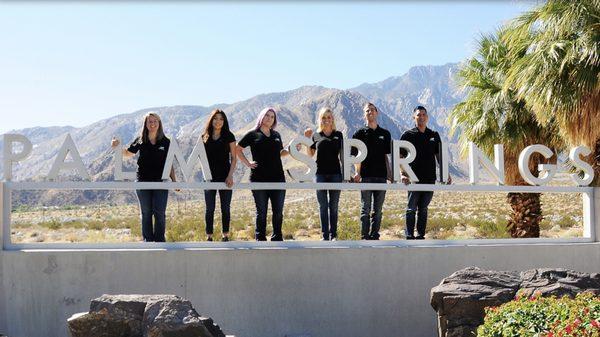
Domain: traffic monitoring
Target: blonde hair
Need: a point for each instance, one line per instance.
(322, 112)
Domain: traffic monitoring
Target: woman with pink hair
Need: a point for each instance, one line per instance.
(267, 149)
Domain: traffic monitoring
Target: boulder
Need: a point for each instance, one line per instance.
(461, 298)
(558, 282)
(141, 316)
(173, 317)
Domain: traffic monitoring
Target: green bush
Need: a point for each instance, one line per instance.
(544, 317)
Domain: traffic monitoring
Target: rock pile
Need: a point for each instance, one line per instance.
(461, 298)
(141, 316)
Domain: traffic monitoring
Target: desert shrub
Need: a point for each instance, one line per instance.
(544, 317)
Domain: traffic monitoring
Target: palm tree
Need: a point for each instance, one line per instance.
(559, 74)
(492, 115)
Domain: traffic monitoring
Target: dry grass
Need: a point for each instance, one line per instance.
(453, 215)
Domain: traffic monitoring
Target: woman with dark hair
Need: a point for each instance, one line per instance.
(219, 144)
(327, 143)
(153, 146)
(267, 149)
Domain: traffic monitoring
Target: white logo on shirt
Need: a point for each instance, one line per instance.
(277, 140)
(431, 139)
(162, 148)
(336, 138)
(381, 137)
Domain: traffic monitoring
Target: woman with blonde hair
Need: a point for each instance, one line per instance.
(327, 143)
(153, 146)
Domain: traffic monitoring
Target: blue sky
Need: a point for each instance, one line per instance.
(70, 63)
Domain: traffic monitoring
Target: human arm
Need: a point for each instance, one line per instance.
(126, 153)
(240, 154)
(232, 151)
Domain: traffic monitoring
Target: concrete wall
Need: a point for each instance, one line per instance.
(331, 292)
(266, 293)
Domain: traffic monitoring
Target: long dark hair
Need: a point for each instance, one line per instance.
(208, 127)
(160, 134)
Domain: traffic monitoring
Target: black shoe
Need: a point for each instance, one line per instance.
(410, 237)
(276, 238)
(225, 239)
(261, 238)
(209, 238)
(420, 237)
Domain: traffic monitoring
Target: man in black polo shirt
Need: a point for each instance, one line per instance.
(374, 169)
(427, 143)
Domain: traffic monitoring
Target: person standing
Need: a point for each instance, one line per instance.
(427, 145)
(267, 149)
(374, 169)
(219, 144)
(327, 143)
(153, 146)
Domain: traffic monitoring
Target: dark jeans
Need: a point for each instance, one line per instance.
(328, 207)
(371, 222)
(209, 215)
(261, 199)
(153, 203)
(418, 201)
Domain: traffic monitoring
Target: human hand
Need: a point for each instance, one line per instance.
(356, 178)
(405, 180)
(114, 142)
(308, 133)
(252, 164)
(449, 181)
(298, 147)
(229, 181)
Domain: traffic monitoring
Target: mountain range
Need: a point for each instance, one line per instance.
(431, 86)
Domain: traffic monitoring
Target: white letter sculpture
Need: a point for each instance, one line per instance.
(445, 159)
(476, 157)
(398, 162)
(547, 171)
(304, 158)
(121, 175)
(348, 159)
(588, 171)
(68, 147)
(11, 157)
(187, 168)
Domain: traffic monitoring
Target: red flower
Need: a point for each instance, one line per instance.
(596, 324)
(569, 329)
(550, 334)
(577, 322)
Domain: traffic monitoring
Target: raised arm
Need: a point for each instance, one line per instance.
(115, 142)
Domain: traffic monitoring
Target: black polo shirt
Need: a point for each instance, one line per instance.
(427, 145)
(151, 160)
(266, 152)
(217, 151)
(328, 152)
(378, 143)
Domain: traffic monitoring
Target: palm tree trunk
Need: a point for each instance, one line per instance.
(525, 216)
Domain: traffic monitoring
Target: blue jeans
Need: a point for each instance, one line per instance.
(418, 201)
(261, 199)
(328, 207)
(153, 203)
(209, 215)
(371, 222)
